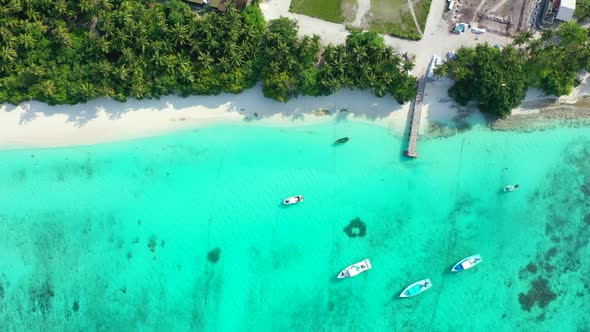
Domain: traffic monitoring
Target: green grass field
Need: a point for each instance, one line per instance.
(392, 17)
(328, 10)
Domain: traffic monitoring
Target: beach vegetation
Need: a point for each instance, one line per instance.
(66, 52)
(498, 79)
(494, 78)
(365, 62)
(556, 58)
(582, 11)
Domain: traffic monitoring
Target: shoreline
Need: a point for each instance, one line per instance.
(38, 125)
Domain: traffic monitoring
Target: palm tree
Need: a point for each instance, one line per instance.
(101, 45)
(224, 63)
(185, 70)
(86, 7)
(179, 34)
(205, 60)
(26, 40)
(61, 8)
(104, 68)
(535, 46)
(523, 38)
(170, 62)
(7, 54)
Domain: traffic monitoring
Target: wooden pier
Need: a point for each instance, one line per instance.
(416, 113)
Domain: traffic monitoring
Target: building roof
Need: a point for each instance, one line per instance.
(566, 10)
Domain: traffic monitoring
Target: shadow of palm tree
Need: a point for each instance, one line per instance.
(251, 104)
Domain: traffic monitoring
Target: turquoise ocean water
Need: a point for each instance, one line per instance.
(124, 236)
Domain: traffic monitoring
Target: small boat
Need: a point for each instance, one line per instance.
(342, 140)
(467, 263)
(293, 200)
(510, 188)
(416, 288)
(355, 269)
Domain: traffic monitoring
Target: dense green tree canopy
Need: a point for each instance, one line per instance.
(557, 57)
(582, 9)
(367, 63)
(494, 78)
(498, 79)
(66, 51)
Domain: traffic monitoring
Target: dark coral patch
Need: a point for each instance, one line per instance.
(214, 255)
(539, 294)
(356, 228)
(331, 306)
(152, 243)
(532, 268)
(41, 297)
(550, 253)
(76, 306)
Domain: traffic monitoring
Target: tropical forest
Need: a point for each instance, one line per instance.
(66, 52)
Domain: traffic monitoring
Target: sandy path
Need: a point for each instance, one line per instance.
(363, 8)
(411, 6)
(496, 7)
(477, 10)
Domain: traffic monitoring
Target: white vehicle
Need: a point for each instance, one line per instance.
(355, 269)
(416, 288)
(477, 31)
(467, 263)
(293, 200)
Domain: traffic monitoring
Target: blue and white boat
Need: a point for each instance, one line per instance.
(467, 263)
(416, 288)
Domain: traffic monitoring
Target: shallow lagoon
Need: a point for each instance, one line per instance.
(186, 231)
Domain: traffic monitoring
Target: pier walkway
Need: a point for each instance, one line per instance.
(416, 113)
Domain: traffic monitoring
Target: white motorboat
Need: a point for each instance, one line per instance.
(510, 188)
(293, 200)
(467, 263)
(416, 288)
(355, 269)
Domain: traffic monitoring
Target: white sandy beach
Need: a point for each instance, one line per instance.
(35, 124)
